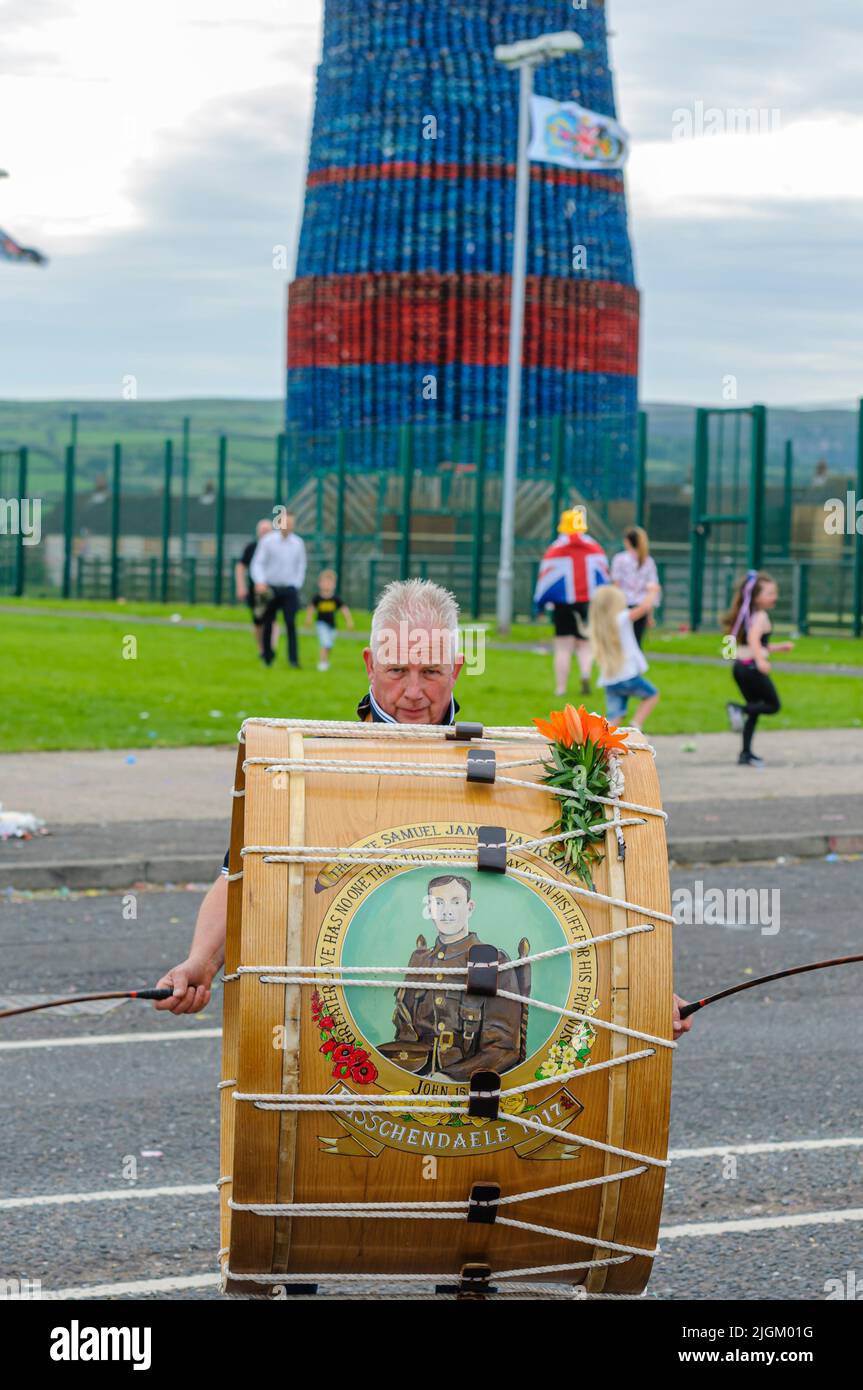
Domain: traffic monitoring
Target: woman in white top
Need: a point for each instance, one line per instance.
(621, 662)
(633, 571)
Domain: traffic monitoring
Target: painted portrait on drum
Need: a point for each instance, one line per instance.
(415, 926)
(444, 1033)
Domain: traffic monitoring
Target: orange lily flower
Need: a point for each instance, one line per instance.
(602, 733)
(570, 726)
(574, 724)
(555, 727)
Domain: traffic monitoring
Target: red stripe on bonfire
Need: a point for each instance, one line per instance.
(351, 320)
(410, 169)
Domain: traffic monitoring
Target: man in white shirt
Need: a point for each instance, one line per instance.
(279, 565)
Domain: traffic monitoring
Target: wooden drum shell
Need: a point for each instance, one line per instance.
(274, 915)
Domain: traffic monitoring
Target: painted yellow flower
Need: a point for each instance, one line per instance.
(513, 1105)
(426, 1116)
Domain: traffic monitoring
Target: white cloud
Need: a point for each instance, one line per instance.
(109, 86)
(706, 176)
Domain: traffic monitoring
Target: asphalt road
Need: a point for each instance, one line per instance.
(780, 1065)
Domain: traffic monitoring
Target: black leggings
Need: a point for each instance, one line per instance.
(760, 695)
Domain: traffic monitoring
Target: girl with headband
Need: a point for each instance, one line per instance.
(748, 622)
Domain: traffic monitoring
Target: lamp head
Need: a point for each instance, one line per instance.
(539, 50)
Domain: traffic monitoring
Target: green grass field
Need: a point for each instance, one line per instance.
(67, 685)
(841, 651)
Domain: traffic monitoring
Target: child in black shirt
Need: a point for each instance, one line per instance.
(323, 607)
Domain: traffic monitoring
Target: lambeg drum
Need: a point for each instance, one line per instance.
(446, 1061)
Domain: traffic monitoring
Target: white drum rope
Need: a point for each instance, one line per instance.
(447, 1278)
(354, 1213)
(397, 1208)
(322, 971)
(335, 852)
(352, 729)
(351, 766)
(454, 1110)
(394, 1102)
(314, 856)
(286, 978)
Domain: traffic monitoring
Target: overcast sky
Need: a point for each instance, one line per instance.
(157, 155)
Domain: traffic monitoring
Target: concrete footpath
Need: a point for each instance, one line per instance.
(163, 817)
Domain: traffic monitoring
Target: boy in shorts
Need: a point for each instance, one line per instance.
(324, 605)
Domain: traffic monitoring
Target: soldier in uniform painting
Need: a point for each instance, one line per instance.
(447, 1034)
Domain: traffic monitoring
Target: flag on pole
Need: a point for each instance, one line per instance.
(572, 569)
(12, 250)
(568, 134)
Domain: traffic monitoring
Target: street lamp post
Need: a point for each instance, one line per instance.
(525, 56)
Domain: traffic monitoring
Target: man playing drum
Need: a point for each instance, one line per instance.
(412, 663)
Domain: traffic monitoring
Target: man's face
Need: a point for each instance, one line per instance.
(286, 523)
(450, 909)
(406, 680)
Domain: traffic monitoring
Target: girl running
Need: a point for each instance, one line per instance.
(621, 662)
(748, 621)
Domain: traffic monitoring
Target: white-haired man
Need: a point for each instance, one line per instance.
(412, 664)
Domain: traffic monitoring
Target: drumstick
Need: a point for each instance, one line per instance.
(763, 980)
(86, 998)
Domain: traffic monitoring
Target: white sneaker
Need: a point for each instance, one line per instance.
(322, 666)
(735, 716)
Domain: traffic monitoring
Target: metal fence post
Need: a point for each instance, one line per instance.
(641, 470)
(406, 464)
(184, 489)
(755, 528)
(166, 518)
(373, 565)
(557, 463)
(68, 520)
(279, 497)
(341, 464)
(220, 518)
(20, 551)
(803, 599)
(788, 497)
(115, 520)
(478, 518)
(857, 520)
(697, 526)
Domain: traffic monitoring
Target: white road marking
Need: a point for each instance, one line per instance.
(119, 1194)
(91, 1040)
(138, 1288)
(762, 1223)
(778, 1146)
(203, 1189)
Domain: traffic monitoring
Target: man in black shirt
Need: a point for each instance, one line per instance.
(245, 589)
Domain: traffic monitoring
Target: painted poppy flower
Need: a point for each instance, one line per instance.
(343, 1053)
(364, 1073)
(342, 1071)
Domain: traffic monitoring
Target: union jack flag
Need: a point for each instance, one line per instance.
(572, 569)
(11, 250)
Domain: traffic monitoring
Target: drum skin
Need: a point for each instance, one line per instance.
(284, 1039)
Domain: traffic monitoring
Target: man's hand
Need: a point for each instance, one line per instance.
(681, 1025)
(261, 588)
(190, 981)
